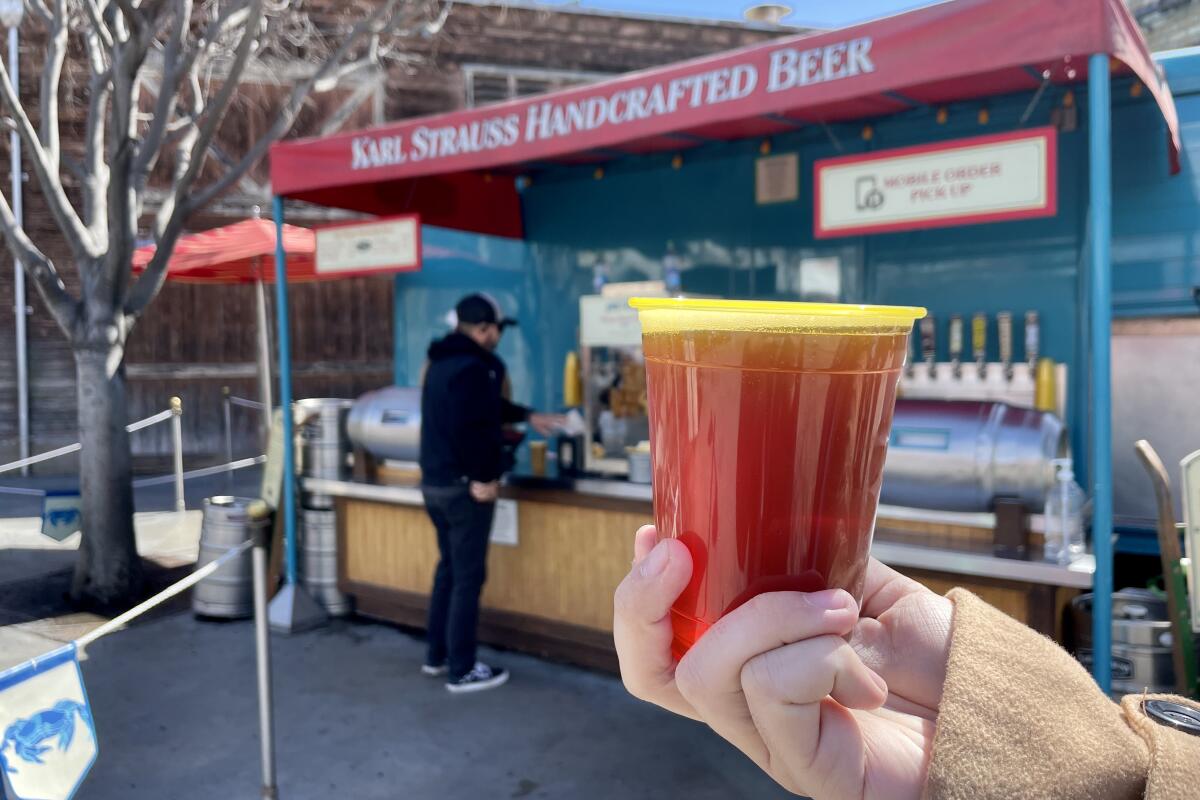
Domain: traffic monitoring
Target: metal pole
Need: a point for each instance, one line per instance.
(285, 396)
(228, 436)
(399, 336)
(262, 649)
(177, 436)
(1100, 286)
(264, 359)
(19, 305)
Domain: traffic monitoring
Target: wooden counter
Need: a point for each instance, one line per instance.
(551, 593)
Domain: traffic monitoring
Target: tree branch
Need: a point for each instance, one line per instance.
(172, 82)
(77, 236)
(287, 115)
(133, 16)
(351, 104)
(63, 307)
(56, 53)
(181, 203)
(174, 211)
(95, 183)
(95, 14)
(40, 10)
(168, 88)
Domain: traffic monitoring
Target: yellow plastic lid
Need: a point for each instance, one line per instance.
(671, 315)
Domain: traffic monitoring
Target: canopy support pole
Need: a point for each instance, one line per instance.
(264, 357)
(1100, 296)
(285, 395)
(292, 610)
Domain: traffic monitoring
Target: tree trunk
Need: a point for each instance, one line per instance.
(108, 572)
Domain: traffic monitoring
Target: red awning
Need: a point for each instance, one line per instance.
(239, 253)
(456, 169)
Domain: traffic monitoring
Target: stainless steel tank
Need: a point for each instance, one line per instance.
(387, 423)
(228, 592)
(323, 446)
(960, 455)
(1142, 641)
(318, 560)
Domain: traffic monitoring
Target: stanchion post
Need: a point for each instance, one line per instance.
(262, 648)
(228, 435)
(177, 436)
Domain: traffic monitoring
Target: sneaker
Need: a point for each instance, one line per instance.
(434, 670)
(480, 679)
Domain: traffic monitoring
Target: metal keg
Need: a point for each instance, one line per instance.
(1141, 640)
(318, 560)
(960, 455)
(387, 423)
(323, 445)
(228, 592)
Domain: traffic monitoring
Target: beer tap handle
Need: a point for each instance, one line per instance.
(928, 342)
(956, 342)
(979, 341)
(1032, 338)
(1004, 332)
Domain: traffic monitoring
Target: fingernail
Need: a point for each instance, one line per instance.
(656, 562)
(879, 681)
(830, 599)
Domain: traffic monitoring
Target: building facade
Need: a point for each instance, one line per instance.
(197, 341)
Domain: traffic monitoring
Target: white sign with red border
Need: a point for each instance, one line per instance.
(981, 179)
(392, 244)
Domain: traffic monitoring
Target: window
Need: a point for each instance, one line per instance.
(486, 84)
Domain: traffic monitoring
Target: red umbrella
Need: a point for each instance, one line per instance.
(243, 252)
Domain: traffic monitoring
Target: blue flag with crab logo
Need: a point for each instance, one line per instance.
(49, 741)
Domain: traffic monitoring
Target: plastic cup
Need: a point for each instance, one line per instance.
(769, 425)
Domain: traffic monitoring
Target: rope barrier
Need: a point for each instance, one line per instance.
(116, 623)
(76, 447)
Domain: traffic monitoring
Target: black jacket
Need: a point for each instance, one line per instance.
(462, 410)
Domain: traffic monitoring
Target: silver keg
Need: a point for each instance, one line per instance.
(323, 445)
(960, 455)
(1142, 641)
(319, 560)
(228, 592)
(387, 423)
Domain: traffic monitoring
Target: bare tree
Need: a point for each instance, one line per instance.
(159, 76)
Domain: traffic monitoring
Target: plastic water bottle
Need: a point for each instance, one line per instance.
(1064, 515)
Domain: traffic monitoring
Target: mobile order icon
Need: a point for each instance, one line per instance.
(867, 194)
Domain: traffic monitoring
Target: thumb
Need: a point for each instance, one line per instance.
(661, 570)
(642, 624)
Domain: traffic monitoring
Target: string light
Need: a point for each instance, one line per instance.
(677, 161)
(942, 115)
(868, 133)
(765, 147)
(1135, 89)
(598, 174)
(984, 116)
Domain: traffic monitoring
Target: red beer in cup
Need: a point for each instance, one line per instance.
(769, 424)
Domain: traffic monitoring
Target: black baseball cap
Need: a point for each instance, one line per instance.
(478, 308)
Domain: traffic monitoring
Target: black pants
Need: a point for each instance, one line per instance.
(463, 527)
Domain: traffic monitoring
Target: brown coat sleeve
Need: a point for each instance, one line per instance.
(1020, 717)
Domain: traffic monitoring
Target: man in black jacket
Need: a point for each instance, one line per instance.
(463, 408)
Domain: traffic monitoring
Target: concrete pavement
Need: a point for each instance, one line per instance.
(175, 708)
(174, 703)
